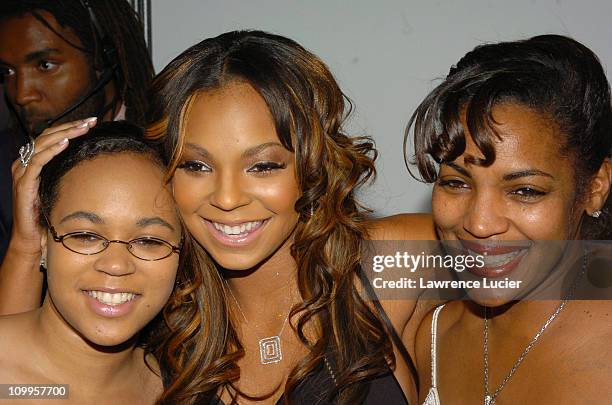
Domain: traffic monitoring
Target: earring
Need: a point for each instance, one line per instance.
(596, 214)
(311, 210)
(43, 262)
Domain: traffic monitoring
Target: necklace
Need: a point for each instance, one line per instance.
(489, 399)
(270, 350)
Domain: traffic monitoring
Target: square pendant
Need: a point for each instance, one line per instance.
(270, 350)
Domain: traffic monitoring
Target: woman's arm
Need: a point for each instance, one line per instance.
(20, 277)
(405, 314)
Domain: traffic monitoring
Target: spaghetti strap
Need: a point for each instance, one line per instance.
(433, 398)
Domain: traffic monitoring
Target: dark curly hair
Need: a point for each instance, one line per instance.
(308, 109)
(551, 74)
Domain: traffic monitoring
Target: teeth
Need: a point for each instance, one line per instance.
(497, 260)
(237, 229)
(111, 299)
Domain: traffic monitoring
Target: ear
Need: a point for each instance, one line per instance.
(599, 189)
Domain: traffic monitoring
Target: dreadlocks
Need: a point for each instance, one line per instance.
(122, 26)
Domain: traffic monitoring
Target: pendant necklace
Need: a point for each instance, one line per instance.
(270, 350)
(489, 398)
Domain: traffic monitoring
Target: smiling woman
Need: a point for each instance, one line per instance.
(517, 142)
(111, 249)
(264, 178)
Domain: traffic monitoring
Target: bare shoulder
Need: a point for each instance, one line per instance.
(402, 227)
(448, 318)
(15, 333)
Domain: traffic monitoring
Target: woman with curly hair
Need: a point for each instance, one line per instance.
(265, 180)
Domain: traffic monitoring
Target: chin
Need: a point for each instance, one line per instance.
(236, 261)
(110, 339)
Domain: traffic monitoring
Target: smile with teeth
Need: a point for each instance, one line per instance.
(239, 230)
(111, 298)
(492, 261)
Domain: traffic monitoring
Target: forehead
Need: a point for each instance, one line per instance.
(527, 137)
(234, 116)
(23, 36)
(119, 186)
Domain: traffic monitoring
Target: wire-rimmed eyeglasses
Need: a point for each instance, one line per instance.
(89, 243)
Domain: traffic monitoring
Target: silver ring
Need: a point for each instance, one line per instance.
(25, 153)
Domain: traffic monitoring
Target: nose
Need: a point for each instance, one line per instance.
(25, 90)
(229, 193)
(486, 215)
(115, 260)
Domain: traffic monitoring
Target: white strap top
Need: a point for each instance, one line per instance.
(432, 396)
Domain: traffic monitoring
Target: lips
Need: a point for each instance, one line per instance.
(236, 233)
(500, 257)
(492, 248)
(110, 303)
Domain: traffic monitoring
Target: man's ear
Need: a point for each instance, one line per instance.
(599, 189)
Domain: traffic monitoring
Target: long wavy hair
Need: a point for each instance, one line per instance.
(308, 109)
(551, 74)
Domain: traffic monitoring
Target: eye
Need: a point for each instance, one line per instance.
(46, 65)
(83, 239)
(6, 71)
(266, 167)
(148, 243)
(527, 193)
(194, 166)
(453, 184)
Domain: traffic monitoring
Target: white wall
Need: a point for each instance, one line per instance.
(385, 54)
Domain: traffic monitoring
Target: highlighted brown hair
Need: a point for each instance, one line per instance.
(308, 109)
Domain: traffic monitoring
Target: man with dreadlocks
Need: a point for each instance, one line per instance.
(62, 60)
(53, 53)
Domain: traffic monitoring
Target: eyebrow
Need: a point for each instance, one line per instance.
(526, 173)
(246, 154)
(34, 56)
(90, 216)
(507, 177)
(259, 148)
(199, 150)
(458, 168)
(154, 221)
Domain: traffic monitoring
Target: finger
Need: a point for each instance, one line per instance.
(31, 172)
(50, 139)
(66, 125)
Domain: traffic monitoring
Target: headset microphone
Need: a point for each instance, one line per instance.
(102, 81)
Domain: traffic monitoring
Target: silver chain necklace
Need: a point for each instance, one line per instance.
(270, 350)
(489, 399)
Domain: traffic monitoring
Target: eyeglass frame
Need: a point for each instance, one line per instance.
(60, 239)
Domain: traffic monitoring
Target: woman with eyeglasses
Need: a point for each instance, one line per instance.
(111, 250)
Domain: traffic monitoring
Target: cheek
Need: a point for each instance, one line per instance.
(279, 197)
(187, 193)
(447, 210)
(161, 282)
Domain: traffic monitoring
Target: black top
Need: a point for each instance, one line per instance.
(384, 390)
